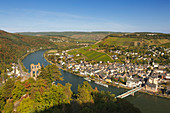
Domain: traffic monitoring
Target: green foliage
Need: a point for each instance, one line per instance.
(9, 107)
(50, 73)
(68, 92)
(58, 98)
(56, 95)
(28, 84)
(84, 93)
(39, 86)
(18, 91)
(26, 106)
(7, 89)
(2, 99)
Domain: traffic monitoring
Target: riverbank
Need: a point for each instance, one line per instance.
(21, 59)
(110, 84)
(28, 53)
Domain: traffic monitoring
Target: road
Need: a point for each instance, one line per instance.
(25, 74)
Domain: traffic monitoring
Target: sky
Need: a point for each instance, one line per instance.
(85, 15)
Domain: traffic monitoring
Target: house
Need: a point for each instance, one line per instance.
(78, 55)
(152, 84)
(155, 65)
(108, 80)
(159, 71)
(131, 84)
(167, 77)
(151, 87)
(57, 54)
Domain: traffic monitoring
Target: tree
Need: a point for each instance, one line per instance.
(112, 78)
(55, 96)
(8, 108)
(18, 91)
(26, 106)
(68, 92)
(40, 86)
(125, 79)
(2, 100)
(7, 89)
(84, 93)
(50, 73)
(28, 84)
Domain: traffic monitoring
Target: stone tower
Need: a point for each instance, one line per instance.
(35, 70)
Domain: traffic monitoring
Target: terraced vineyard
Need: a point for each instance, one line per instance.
(89, 54)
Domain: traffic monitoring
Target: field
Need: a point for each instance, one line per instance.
(91, 54)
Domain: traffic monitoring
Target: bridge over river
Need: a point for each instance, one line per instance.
(130, 92)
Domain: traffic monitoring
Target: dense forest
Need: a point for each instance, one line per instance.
(44, 96)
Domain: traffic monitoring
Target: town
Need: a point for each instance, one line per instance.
(152, 76)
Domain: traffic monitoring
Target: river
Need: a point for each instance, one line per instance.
(146, 103)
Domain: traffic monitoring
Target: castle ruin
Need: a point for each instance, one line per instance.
(35, 70)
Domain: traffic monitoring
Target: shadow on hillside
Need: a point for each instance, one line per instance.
(120, 106)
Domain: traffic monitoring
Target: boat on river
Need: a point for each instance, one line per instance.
(88, 79)
(100, 83)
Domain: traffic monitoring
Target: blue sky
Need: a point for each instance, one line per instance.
(85, 15)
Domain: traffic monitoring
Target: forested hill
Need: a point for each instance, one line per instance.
(136, 39)
(13, 46)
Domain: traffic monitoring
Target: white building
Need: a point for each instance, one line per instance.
(131, 84)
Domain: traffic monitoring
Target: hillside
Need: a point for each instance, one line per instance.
(136, 39)
(13, 46)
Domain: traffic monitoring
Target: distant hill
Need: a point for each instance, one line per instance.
(13, 46)
(75, 35)
(136, 39)
(69, 33)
